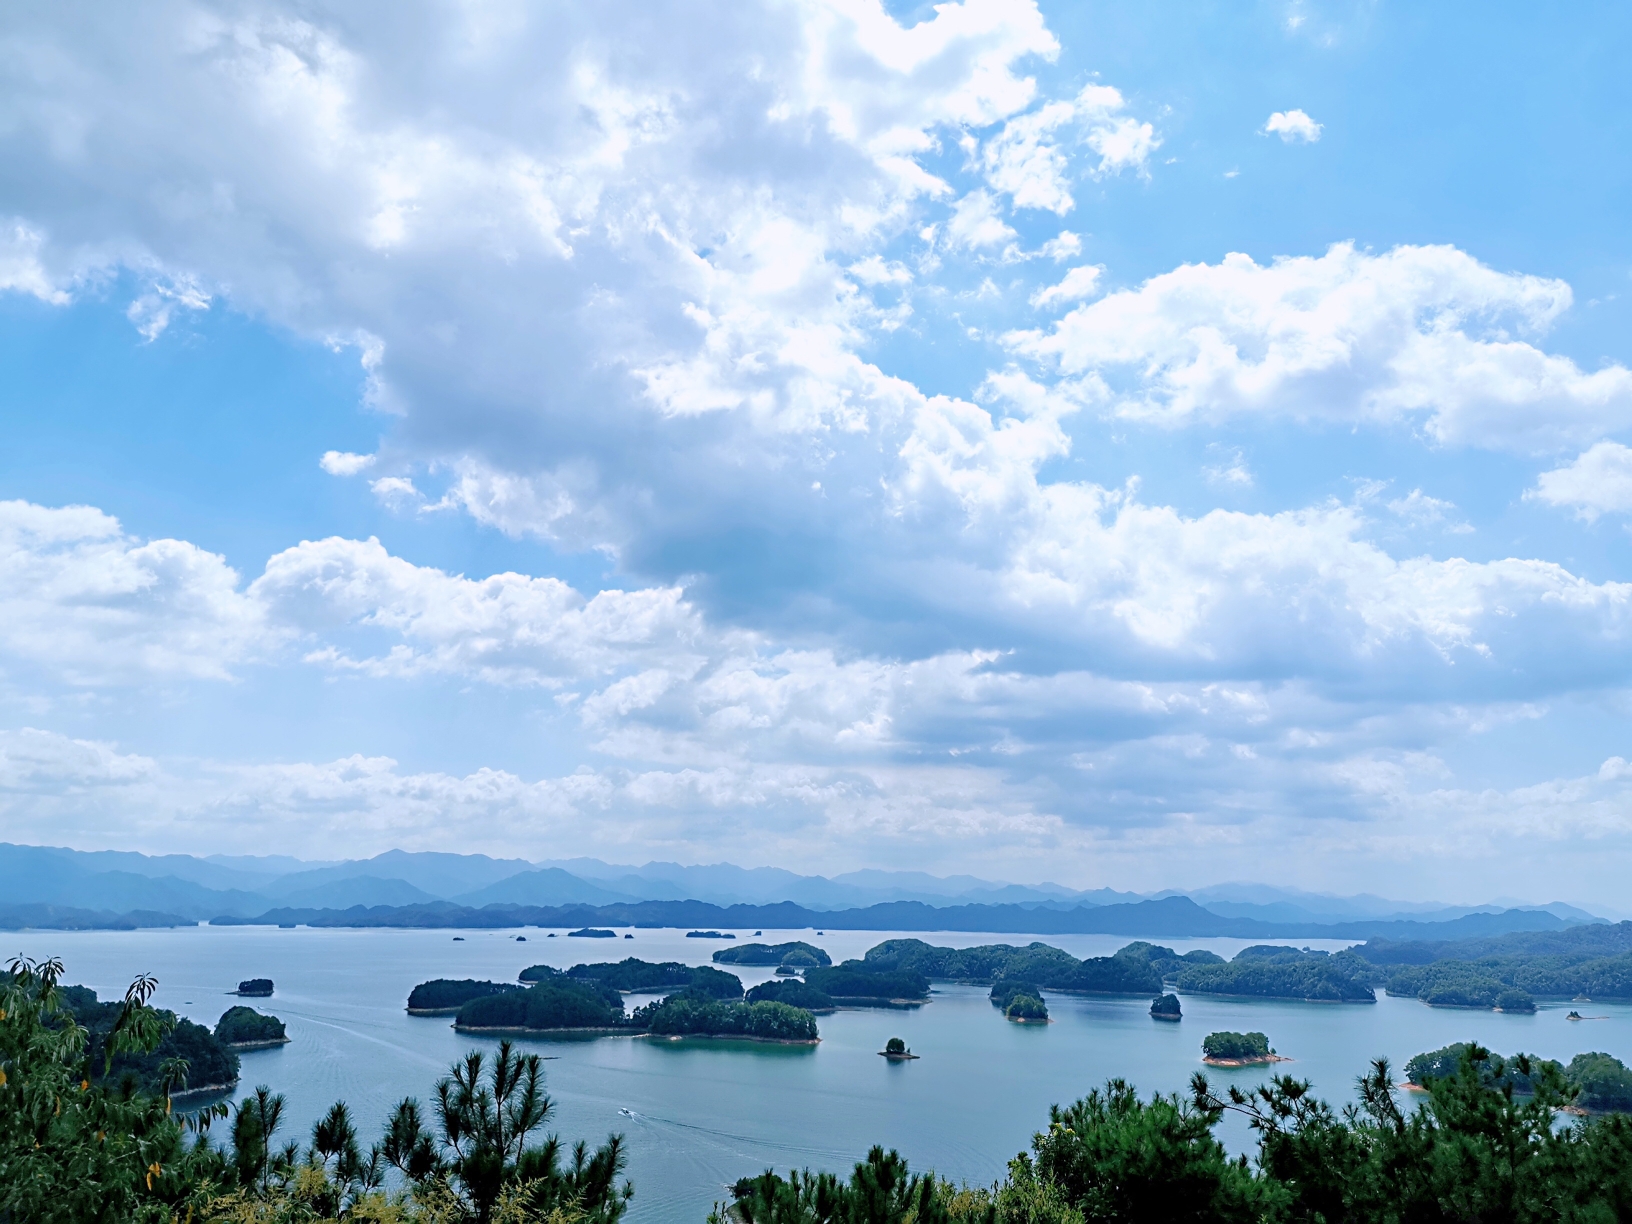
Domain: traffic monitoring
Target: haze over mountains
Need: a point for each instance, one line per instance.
(242, 887)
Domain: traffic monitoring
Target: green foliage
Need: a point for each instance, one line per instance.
(1282, 973)
(245, 1024)
(881, 1190)
(1477, 1153)
(537, 973)
(796, 953)
(1165, 1005)
(75, 1143)
(1026, 1007)
(1004, 991)
(1594, 961)
(1138, 968)
(255, 986)
(851, 981)
(1602, 1080)
(1515, 1000)
(558, 1003)
(687, 1015)
(448, 994)
(794, 993)
(1112, 1156)
(895, 1046)
(209, 1063)
(633, 974)
(1235, 1045)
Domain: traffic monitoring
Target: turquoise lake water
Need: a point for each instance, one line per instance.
(700, 1114)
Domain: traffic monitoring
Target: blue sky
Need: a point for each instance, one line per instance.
(1137, 445)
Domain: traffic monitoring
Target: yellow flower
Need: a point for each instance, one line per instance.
(84, 1085)
(2, 1078)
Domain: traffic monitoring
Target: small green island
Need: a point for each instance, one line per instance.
(635, 976)
(708, 935)
(855, 984)
(445, 996)
(896, 1050)
(1598, 1082)
(211, 1065)
(591, 933)
(1165, 1007)
(794, 993)
(794, 955)
(254, 988)
(1227, 1049)
(244, 1028)
(1019, 1001)
(588, 1000)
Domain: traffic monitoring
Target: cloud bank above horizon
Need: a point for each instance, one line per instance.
(782, 452)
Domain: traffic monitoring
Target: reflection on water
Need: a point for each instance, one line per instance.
(701, 1113)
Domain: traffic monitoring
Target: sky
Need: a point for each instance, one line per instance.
(1133, 445)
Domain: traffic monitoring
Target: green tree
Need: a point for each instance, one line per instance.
(488, 1112)
(72, 1148)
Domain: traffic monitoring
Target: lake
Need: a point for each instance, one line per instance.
(700, 1114)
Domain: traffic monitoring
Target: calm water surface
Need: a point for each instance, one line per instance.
(700, 1114)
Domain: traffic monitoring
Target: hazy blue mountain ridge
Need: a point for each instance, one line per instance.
(115, 882)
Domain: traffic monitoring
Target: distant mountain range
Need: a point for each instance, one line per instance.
(50, 886)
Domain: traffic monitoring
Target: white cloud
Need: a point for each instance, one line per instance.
(1122, 142)
(1063, 246)
(81, 599)
(1420, 510)
(43, 762)
(1231, 471)
(1024, 161)
(345, 463)
(1301, 591)
(975, 224)
(1419, 333)
(1078, 283)
(1293, 126)
(157, 305)
(1028, 161)
(20, 267)
(508, 628)
(1598, 481)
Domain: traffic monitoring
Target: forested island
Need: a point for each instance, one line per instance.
(794, 993)
(1264, 971)
(588, 998)
(1599, 1082)
(244, 1028)
(795, 954)
(444, 996)
(1165, 1007)
(856, 984)
(255, 988)
(187, 1060)
(1237, 1049)
(635, 976)
(1019, 1001)
(1506, 972)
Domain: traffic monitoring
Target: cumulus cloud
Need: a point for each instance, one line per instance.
(1293, 126)
(83, 600)
(344, 463)
(1424, 334)
(508, 628)
(1598, 481)
(1029, 159)
(1078, 283)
